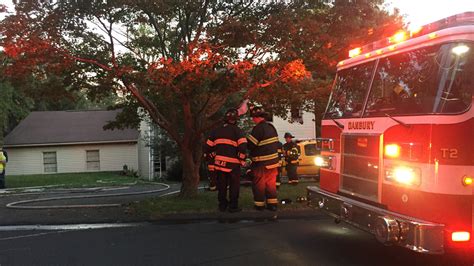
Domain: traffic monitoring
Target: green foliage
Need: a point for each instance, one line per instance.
(13, 107)
(129, 171)
(175, 171)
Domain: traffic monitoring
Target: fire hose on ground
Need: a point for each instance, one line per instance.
(20, 204)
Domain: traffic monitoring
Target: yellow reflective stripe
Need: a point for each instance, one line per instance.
(268, 141)
(253, 139)
(225, 141)
(241, 141)
(272, 201)
(210, 143)
(259, 203)
(227, 159)
(273, 166)
(265, 157)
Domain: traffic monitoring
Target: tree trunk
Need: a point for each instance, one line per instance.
(191, 152)
(191, 156)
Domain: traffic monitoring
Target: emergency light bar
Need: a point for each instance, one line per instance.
(429, 29)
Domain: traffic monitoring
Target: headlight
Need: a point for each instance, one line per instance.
(319, 161)
(324, 161)
(404, 175)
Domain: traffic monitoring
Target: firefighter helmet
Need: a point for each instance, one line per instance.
(288, 135)
(257, 111)
(231, 115)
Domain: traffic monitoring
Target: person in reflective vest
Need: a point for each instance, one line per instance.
(263, 147)
(228, 146)
(290, 150)
(3, 164)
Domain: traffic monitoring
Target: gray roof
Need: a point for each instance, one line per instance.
(67, 127)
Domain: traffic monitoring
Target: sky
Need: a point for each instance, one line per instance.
(422, 12)
(418, 12)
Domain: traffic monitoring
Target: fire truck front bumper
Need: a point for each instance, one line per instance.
(388, 227)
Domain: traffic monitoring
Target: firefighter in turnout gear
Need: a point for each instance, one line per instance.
(263, 147)
(291, 153)
(228, 145)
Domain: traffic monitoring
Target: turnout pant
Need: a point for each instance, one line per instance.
(231, 180)
(291, 172)
(264, 186)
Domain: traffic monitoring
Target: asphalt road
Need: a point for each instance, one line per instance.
(286, 242)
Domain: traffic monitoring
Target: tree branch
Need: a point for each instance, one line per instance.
(90, 61)
(108, 30)
(202, 18)
(155, 25)
(152, 110)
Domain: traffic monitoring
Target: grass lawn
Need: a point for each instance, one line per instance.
(69, 180)
(206, 201)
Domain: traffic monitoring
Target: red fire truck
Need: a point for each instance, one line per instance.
(397, 146)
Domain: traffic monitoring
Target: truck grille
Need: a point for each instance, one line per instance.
(361, 166)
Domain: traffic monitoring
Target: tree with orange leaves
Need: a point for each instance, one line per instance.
(181, 61)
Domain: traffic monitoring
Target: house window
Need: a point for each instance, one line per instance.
(93, 160)
(50, 162)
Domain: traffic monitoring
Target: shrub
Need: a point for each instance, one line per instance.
(175, 171)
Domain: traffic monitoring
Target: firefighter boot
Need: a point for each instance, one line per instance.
(272, 207)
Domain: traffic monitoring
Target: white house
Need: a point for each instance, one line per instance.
(75, 141)
(303, 127)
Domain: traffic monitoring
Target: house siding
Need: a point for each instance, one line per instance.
(72, 159)
(144, 151)
(307, 130)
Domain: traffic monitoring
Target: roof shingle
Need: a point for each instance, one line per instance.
(67, 127)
